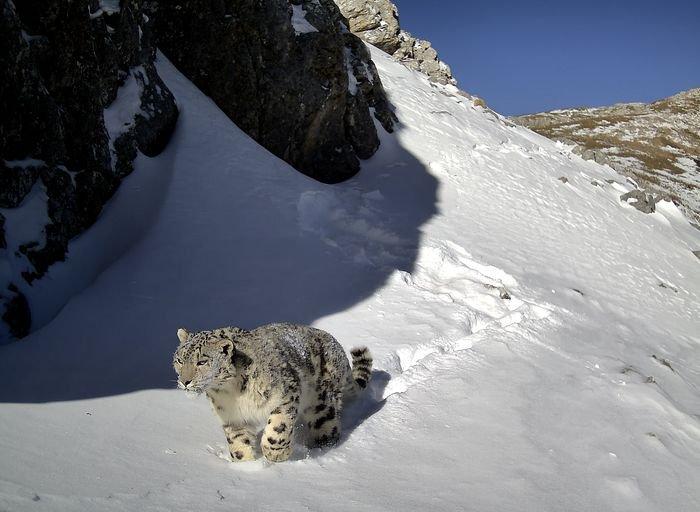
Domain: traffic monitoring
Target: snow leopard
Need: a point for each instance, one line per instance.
(275, 378)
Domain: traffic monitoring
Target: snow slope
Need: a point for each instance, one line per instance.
(536, 342)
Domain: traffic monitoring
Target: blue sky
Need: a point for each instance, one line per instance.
(530, 56)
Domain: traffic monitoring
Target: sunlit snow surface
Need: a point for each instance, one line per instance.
(537, 342)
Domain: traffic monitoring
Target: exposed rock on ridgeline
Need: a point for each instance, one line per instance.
(377, 22)
(656, 144)
(288, 73)
(80, 96)
(645, 203)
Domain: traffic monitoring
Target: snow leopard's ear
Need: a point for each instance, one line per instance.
(241, 360)
(225, 346)
(182, 335)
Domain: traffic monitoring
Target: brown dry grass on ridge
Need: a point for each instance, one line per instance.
(656, 144)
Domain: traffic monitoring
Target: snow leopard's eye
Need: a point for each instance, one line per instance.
(178, 361)
(202, 361)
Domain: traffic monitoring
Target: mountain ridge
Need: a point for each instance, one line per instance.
(657, 144)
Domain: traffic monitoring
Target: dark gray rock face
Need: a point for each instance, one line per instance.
(16, 315)
(3, 242)
(377, 22)
(287, 73)
(66, 138)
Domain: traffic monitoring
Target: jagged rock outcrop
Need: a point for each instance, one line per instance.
(656, 144)
(645, 203)
(377, 22)
(419, 54)
(80, 96)
(288, 73)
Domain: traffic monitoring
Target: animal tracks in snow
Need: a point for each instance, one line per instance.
(474, 300)
(347, 219)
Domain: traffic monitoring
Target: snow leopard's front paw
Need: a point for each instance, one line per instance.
(242, 453)
(277, 437)
(277, 452)
(240, 443)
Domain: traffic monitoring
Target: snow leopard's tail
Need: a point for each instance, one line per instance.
(361, 368)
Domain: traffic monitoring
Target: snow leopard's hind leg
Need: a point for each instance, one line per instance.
(322, 416)
(241, 442)
(323, 419)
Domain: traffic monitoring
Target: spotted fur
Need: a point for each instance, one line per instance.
(273, 378)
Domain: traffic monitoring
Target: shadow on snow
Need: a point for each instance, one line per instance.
(237, 242)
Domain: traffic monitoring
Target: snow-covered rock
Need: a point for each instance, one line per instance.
(80, 98)
(83, 99)
(645, 203)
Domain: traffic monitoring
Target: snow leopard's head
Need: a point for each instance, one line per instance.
(204, 359)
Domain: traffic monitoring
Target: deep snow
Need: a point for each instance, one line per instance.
(536, 342)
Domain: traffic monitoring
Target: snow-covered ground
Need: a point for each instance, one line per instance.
(537, 342)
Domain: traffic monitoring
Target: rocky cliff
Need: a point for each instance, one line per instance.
(656, 144)
(288, 73)
(80, 98)
(377, 22)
